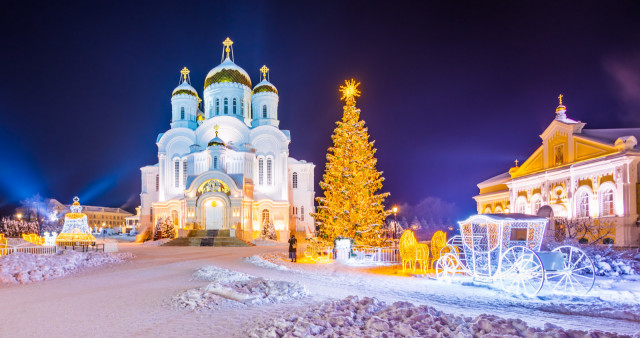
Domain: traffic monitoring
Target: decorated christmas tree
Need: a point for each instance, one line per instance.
(351, 206)
(268, 231)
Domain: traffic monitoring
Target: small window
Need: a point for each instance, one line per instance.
(264, 111)
(210, 111)
(176, 167)
(583, 204)
(260, 171)
(242, 107)
(607, 241)
(182, 113)
(185, 168)
(269, 171)
(217, 106)
(295, 180)
(518, 234)
(157, 182)
(226, 105)
(607, 203)
(583, 240)
(302, 213)
(234, 105)
(215, 162)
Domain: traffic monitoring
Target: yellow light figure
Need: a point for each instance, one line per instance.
(412, 252)
(75, 230)
(3, 245)
(438, 241)
(33, 239)
(318, 252)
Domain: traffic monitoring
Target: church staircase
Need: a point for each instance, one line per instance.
(207, 238)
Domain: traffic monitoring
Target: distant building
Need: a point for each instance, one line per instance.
(97, 217)
(576, 175)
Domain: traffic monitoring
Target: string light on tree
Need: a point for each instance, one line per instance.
(351, 206)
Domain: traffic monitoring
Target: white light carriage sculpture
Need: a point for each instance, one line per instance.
(506, 248)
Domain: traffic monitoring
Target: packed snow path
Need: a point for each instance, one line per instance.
(134, 298)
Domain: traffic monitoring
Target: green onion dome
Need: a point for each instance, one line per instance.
(227, 71)
(265, 87)
(185, 88)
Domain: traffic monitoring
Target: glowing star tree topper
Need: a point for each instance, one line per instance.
(351, 206)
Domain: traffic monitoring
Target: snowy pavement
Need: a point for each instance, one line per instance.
(137, 298)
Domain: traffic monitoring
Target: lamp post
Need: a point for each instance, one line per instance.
(395, 219)
(19, 217)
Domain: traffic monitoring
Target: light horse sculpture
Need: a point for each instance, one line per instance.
(412, 252)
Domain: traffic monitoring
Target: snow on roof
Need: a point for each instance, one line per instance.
(609, 135)
(502, 178)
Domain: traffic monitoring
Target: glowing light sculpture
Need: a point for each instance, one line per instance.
(75, 230)
(506, 248)
(413, 253)
(438, 241)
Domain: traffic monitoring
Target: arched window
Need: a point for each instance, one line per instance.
(269, 171)
(583, 240)
(226, 105)
(260, 171)
(264, 111)
(295, 181)
(157, 182)
(498, 210)
(536, 205)
(215, 162)
(176, 175)
(182, 113)
(210, 110)
(583, 204)
(607, 240)
(302, 213)
(606, 206)
(234, 105)
(185, 170)
(242, 108)
(487, 210)
(265, 217)
(520, 206)
(217, 106)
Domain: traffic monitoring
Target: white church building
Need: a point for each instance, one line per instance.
(227, 166)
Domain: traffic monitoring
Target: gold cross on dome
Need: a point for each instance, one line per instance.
(516, 162)
(185, 71)
(264, 71)
(227, 45)
(216, 128)
(560, 98)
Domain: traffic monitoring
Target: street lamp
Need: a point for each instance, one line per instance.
(395, 219)
(19, 217)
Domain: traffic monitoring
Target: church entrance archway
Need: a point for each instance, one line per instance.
(214, 212)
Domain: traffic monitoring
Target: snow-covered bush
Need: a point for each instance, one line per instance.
(14, 228)
(607, 259)
(268, 231)
(369, 317)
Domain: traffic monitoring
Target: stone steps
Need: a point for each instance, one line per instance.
(208, 238)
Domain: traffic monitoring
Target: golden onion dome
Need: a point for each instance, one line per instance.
(185, 88)
(227, 71)
(265, 87)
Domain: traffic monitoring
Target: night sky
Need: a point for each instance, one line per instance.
(453, 93)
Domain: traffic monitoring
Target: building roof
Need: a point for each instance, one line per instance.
(609, 135)
(227, 71)
(498, 179)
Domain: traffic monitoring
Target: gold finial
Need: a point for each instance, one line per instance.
(264, 71)
(216, 128)
(350, 91)
(185, 71)
(227, 45)
(560, 98)
(516, 162)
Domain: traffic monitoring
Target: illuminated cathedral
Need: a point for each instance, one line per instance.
(227, 165)
(575, 175)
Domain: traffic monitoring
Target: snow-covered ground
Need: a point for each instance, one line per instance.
(137, 298)
(22, 268)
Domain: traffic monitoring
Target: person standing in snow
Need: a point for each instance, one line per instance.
(292, 248)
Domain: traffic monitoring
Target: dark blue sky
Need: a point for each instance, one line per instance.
(452, 92)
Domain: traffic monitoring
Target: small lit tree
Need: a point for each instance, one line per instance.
(268, 231)
(351, 205)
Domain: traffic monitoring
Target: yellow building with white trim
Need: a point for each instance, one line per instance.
(575, 174)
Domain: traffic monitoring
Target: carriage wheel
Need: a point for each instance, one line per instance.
(447, 266)
(578, 275)
(521, 271)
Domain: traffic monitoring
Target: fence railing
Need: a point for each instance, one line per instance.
(371, 254)
(37, 250)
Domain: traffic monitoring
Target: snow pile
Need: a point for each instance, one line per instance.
(158, 242)
(257, 260)
(22, 268)
(215, 274)
(612, 262)
(233, 289)
(266, 242)
(355, 317)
